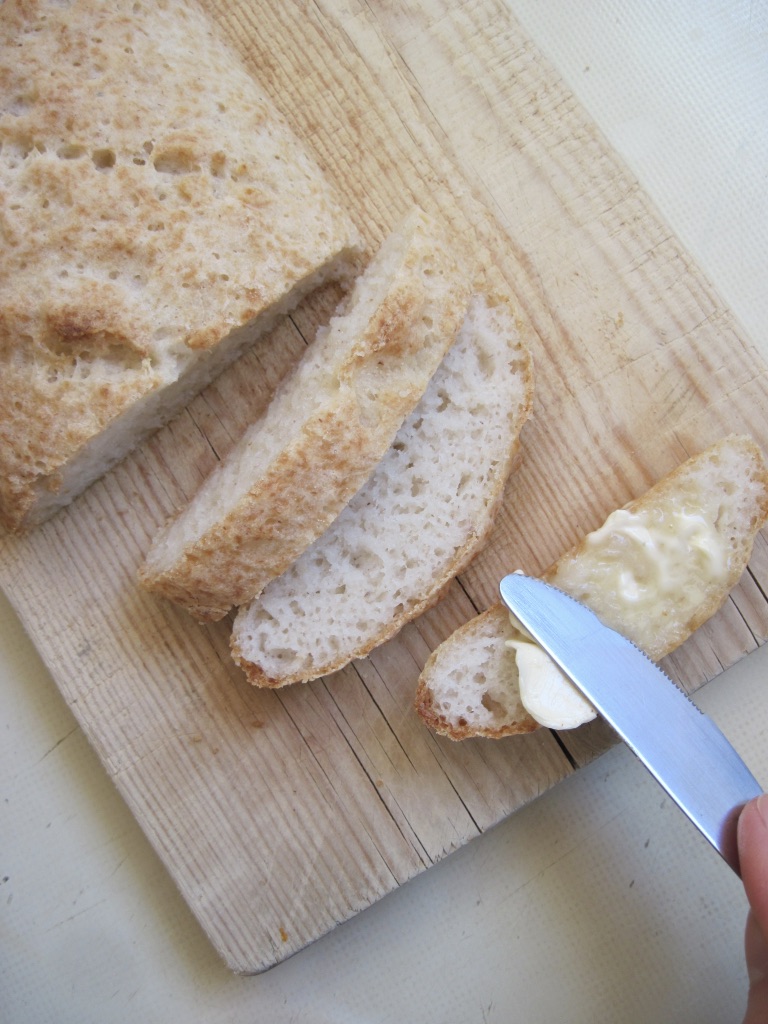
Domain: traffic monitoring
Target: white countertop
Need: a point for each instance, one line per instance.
(599, 901)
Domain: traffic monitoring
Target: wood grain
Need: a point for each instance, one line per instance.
(281, 813)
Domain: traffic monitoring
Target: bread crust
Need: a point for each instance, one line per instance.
(327, 457)
(736, 455)
(151, 202)
(520, 365)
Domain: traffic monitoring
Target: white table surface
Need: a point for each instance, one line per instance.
(599, 902)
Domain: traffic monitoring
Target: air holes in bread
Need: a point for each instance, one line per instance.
(176, 160)
(103, 159)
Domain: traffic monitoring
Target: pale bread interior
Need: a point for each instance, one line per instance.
(425, 511)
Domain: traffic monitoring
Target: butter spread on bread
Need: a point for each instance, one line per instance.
(655, 572)
(426, 510)
(327, 427)
(156, 215)
(647, 558)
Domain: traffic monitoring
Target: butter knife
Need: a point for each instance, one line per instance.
(682, 748)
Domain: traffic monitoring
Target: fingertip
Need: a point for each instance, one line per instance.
(754, 815)
(752, 840)
(761, 808)
(756, 949)
(752, 837)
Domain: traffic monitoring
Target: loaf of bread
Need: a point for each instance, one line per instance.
(654, 571)
(425, 511)
(156, 215)
(327, 427)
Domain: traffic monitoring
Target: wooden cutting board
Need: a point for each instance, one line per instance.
(280, 814)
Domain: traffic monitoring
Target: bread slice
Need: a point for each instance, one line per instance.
(329, 424)
(157, 215)
(425, 511)
(701, 519)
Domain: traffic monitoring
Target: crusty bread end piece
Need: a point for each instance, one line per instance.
(469, 686)
(157, 215)
(332, 420)
(423, 514)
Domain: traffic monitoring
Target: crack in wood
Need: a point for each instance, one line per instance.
(412, 840)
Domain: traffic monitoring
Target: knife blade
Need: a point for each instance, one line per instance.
(681, 747)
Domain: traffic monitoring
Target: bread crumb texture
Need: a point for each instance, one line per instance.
(329, 424)
(425, 511)
(151, 201)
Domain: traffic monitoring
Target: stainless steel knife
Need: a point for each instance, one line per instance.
(683, 749)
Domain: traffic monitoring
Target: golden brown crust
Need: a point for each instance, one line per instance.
(150, 202)
(254, 673)
(289, 503)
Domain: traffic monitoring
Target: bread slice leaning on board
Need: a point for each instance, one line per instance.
(425, 511)
(329, 424)
(654, 571)
(158, 214)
